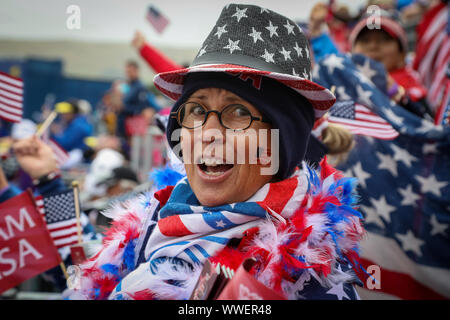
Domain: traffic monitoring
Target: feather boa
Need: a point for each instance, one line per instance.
(323, 232)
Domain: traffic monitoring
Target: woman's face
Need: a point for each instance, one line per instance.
(380, 46)
(235, 180)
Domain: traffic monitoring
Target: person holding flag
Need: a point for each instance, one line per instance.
(37, 159)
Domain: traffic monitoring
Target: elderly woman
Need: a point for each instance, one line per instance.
(248, 92)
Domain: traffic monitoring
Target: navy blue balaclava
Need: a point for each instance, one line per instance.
(286, 109)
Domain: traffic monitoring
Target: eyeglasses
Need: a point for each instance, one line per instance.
(193, 115)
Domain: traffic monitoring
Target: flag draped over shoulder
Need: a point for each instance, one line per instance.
(404, 185)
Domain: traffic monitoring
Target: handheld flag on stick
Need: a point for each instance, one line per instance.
(156, 19)
(26, 246)
(11, 98)
(77, 209)
(46, 124)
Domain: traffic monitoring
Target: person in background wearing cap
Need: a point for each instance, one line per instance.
(388, 45)
(75, 127)
(297, 223)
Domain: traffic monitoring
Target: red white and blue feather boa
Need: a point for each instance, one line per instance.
(310, 234)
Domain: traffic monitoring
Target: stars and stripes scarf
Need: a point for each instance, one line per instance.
(176, 235)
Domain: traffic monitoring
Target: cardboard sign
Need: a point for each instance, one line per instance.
(26, 248)
(243, 286)
(77, 254)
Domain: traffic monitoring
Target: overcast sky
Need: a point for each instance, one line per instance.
(116, 20)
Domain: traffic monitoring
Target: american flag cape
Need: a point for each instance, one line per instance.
(11, 98)
(404, 188)
(156, 19)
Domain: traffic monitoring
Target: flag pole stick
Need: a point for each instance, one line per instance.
(64, 270)
(77, 209)
(333, 89)
(46, 123)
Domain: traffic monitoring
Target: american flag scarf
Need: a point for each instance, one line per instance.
(180, 236)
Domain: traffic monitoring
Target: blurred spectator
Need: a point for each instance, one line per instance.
(156, 60)
(321, 42)
(388, 45)
(137, 100)
(75, 126)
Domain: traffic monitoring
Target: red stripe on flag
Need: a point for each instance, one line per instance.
(173, 227)
(402, 285)
(279, 195)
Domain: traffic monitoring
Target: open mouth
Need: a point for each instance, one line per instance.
(215, 170)
(214, 167)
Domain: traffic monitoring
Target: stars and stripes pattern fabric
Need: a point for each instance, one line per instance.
(404, 187)
(59, 213)
(433, 55)
(11, 98)
(253, 41)
(358, 119)
(60, 154)
(156, 19)
(154, 250)
(192, 232)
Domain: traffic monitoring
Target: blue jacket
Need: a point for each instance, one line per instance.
(136, 98)
(75, 132)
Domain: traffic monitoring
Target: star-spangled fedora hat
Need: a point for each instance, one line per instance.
(251, 40)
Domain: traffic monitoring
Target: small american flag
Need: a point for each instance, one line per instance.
(61, 155)
(59, 213)
(358, 119)
(156, 19)
(11, 97)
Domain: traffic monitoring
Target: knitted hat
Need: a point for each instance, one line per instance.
(387, 23)
(251, 41)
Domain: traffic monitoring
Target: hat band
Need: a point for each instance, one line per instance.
(236, 59)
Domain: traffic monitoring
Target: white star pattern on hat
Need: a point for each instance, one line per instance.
(202, 51)
(299, 50)
(264, 10)
(256, 35)
(232, 45)
(289, 27)
(286, 54)
(240, 14)
(220, 31)
(268, 56)
(295, 73)
(272, 29)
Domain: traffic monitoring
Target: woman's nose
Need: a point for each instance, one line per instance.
(213, 131)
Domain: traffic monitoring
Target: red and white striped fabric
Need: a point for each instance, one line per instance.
(11, 97)
(400, 277)
(433, 53)
(171, 83)
(61, 155)
(362, 121)
(63, 233)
